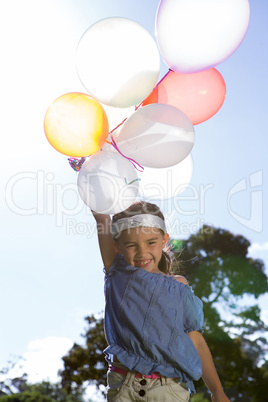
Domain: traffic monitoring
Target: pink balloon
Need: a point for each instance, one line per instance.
(198, 95)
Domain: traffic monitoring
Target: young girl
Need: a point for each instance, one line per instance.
(153, 321)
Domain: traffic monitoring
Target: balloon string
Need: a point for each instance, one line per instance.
(163, 78)
(120, 124)
(133, 181)
(137, 107)
(134, 163)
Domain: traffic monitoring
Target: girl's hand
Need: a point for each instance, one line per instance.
(220, 398)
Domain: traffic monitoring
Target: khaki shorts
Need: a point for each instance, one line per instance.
(125, 388)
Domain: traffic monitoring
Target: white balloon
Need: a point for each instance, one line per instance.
(163, 184)
(118, 62)
(108, 183)
(157, 136)
(195, 35)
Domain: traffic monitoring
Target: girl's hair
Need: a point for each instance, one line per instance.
(142, 207)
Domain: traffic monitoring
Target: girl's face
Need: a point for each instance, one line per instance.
(142, 247)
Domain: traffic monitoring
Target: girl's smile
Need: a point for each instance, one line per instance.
(142, 263)
(142, 247)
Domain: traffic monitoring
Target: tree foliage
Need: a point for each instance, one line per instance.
(217, 265)
(86, 363)
(18, 389)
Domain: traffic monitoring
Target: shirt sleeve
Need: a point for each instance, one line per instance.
(117, 261)
(192, 311)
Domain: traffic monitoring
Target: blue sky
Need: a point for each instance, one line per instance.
(51, 271)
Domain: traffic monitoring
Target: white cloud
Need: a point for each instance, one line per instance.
(42, 360)
(259, 251)
(256, 247)
(264, 316)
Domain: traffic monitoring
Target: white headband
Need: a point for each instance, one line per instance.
(145, 220)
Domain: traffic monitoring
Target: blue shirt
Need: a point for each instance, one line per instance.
(147, 317)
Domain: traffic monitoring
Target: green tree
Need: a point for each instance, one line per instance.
(216, 264)
(43, 392)
(17, 389)
(86, 363)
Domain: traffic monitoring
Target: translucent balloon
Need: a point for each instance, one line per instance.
(162, 184)
(196, 35)
(118, 62)
(76, 125)
(156, 136)
(108, 183)
(198, 95)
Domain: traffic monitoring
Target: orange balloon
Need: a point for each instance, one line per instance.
(198, 95)
(76, 125)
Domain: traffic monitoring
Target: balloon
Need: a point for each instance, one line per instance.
(108, 183)
(118, 62)
(196, 35)
(76, 125)
(162, 184)
(198, 95)
(156, 136)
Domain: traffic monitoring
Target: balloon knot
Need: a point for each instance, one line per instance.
(76, 163)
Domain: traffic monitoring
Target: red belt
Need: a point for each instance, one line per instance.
(139, 375)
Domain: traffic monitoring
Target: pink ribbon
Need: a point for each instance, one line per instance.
(134, 163)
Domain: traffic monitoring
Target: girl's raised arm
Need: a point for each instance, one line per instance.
(106, 242)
